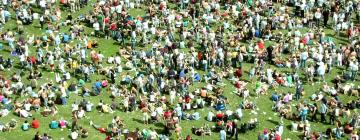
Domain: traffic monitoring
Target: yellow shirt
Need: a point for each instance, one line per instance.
(74, 64)
(234, 54)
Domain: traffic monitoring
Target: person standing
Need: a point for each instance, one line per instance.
(332, 116)
(317, 17)
(326, 14)
(112, 76)
(303, 57)
(354, 67)
(323, 110)
(42, 21)
(133, 39)
(321, 70)
(314, 111)
(298, 90)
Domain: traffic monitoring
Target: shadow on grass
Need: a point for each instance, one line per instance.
(138, 120)
(273, 122)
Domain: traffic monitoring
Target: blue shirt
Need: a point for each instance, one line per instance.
(66, 38)
(4, 100)
(197, 77)
(222, 135)
(196, 116)
(54, 124)
(182, 73)
(7, 13)
(49, 31)
(274, 97)
(304, 111)
(45, 38)
(25, 126)
(98, 85)
(323, 108)
(57, 40)
(178, 111)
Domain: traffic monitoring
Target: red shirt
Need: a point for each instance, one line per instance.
(35, 124)
(199, 56)
(102, 130)
(219, 115)
(238, 85)
(187, 99)
(238, 72)
(277, 137)
(107, 20)
(33, 59)
(261, 45)
(113, 27)
(167, 114)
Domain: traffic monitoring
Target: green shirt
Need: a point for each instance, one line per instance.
(250, 2)
(289, 79)
(257, 85)
(100, 18)
(81, 82)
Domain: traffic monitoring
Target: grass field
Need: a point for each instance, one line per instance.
(132, 119)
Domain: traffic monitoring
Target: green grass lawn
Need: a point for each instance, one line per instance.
(109, 47)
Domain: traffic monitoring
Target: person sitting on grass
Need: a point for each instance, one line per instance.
(49, 111)
(23, 113)
(79, 113)
(74, 135)
(63, 123)
(105, 108)
(97, 87)
(25, 126)
(54, 124)
(83, 132)
(35, 123)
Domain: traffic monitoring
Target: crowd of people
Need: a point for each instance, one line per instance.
(175, 45)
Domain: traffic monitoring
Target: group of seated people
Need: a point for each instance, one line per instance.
(204, 130)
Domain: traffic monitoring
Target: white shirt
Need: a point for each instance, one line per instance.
(239, 112)
(96, 26)
(318, 15)
(152, 98)
(110, 59)
(35, 16)
(118, 8)
(81, 113)
(74, 135)
(75, 107)
(153, 135)
(210, 116)
(5, 2)
(27, 106)
(42, 3)
(67, 76)
(160, 110)
(22, 57)
(117, 59)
